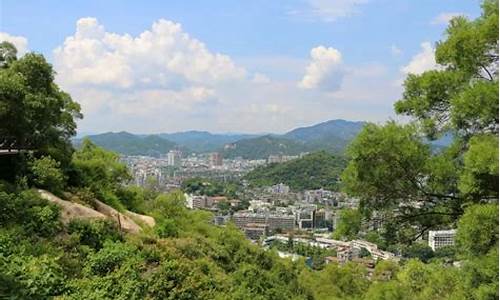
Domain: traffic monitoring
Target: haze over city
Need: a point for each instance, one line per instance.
(226, 66)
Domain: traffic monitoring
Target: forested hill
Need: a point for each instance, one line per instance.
(313, 171)
(332, 136)
(131, 144)
(204, 141)
(262, 147)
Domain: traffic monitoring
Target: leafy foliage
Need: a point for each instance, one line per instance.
(47, 173)
(348, 224)
(313, 171)
(262, 147)
(35, 113)
(398, 178)
(130, 144)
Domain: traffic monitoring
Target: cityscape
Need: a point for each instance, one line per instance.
(270, 214)
(249, 150)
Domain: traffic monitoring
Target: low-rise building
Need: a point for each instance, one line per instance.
(441, 238)
(274, 221)
(255, 231)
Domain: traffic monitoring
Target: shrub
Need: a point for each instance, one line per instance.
(47, 174)
(94, 233)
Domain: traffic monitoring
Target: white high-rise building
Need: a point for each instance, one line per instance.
(174, 158)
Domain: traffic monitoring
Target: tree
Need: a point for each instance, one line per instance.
(8, 53)
(477, 231)
(462, 98)
(100, 170)
(400, 179)
(419, 250)
(47, 174)
(35, 114)
(348, 225)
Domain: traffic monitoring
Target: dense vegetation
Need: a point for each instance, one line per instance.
(131, 144)
(202, 141)
(332, 136)
(262, 147)
(313, 171)
(184, 257)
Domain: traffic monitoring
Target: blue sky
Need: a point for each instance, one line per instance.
(254, 71)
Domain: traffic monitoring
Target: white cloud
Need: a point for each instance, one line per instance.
(20, 42)
(162, 69)
(421, 62)
(330, 10)
(163, 80)
(395, 50)
(162, 56)
(445, 18)
(324, 71)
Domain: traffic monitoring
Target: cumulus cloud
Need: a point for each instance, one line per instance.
(330, 10)
(164, 80)
(324, 71)
(20, 42)
(164, 55)
(445, 18)
(421, 62)
(161, 69)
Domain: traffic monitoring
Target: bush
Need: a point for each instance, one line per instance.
(33, 213)
(110, 257)
(32, 277)
(94, 233)
(47, 174)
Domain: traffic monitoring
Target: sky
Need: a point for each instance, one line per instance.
(231, 66)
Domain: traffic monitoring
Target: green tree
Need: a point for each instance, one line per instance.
(8, 53)
(47, 174)
(477, 231)
(35, 113)
(348, 224)
(418, 250)
(400, 179)
(100, 170)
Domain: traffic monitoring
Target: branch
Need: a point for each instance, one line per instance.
(487, 72)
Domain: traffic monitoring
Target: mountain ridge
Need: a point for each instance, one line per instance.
(331, 135)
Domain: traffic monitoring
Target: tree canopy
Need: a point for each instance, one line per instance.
(399, 178)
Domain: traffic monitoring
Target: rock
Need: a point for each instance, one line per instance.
(71, 211)
(147, 220)
(126, 223)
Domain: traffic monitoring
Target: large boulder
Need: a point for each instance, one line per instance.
(71, 210)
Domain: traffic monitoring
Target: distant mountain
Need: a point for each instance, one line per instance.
(262, 147)
(203, 141)
(333, 135)
(313, 171)
(131, 144)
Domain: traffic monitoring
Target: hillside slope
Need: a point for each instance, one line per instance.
(203, 141)
(332, 136)
(262, 147)
(313, 171)
(74, 211)
(131, 144)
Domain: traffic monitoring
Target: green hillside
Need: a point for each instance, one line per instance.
(131, 144)
(262, 147)
(313, 171)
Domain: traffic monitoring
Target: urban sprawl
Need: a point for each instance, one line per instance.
(271, 215)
